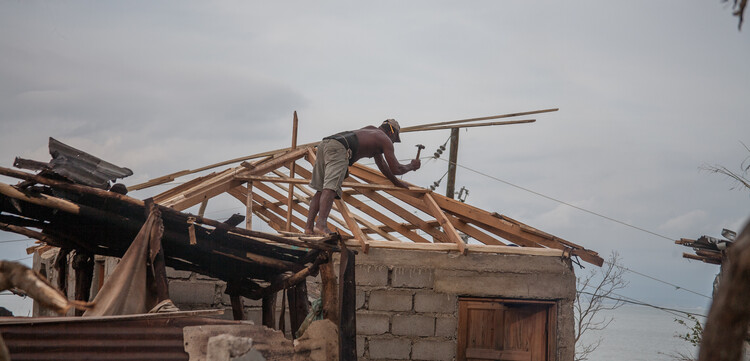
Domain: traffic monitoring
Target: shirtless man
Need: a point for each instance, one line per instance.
(337, 152)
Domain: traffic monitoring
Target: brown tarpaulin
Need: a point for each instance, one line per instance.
(126, 290)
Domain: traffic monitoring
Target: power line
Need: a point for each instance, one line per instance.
(17, 240)
(596, 214)
(633, 301)
(563, 202)
(658, 280)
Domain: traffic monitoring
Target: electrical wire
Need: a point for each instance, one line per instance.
(17, 240)
(625, 299)
(596, 214)
(561, 202)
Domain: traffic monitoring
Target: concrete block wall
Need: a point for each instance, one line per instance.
(407, 300)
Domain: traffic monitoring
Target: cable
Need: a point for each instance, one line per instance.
(17, 240)
(658, 280)
(596, 214)
(562, 202)
(629, 300)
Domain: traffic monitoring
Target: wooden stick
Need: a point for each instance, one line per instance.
(473, 125)
(291, 175)
(448, 228)
(510, 115)
(353, 226)
(249, 206)
(344, 184)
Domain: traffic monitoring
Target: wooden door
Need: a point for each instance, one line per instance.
(506, 330)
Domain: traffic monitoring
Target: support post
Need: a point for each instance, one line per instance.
(238, 307)
(298, 307)
(348, 306)
(249, 206)
(83, 264)
(450, 188)
(330, 291)
(269, 310)
(291, 175)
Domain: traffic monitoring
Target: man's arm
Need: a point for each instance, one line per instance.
(380, 162)
(394, 166)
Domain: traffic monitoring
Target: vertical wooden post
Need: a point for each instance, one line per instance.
(83, 264)
(269, 310)
(238, 307)
(330, 291)
(161, 284)
(249, 207)
(298, 307)
(348, 304)
(450, 188)
(291, 175)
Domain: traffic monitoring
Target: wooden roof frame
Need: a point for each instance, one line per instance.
(260, 184)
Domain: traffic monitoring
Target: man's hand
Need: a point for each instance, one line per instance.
(415, 164)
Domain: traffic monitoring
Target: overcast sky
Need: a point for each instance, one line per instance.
(648, 91)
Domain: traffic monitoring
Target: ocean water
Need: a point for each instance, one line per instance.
(641, 333)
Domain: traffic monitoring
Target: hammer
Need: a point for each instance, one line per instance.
(419, 149)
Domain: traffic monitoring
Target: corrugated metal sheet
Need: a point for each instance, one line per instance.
(83, 168)
(102, 338)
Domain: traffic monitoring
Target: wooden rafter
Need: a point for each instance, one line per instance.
(352, 223)
(448, 228)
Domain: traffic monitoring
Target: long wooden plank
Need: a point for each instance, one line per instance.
(353, 226)
(291, 174)
(509, 115)
(343, 185)
(272, 164)
(448, 228)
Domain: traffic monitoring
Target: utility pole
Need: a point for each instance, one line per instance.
(450, 188)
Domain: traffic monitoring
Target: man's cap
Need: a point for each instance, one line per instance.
(395, 128)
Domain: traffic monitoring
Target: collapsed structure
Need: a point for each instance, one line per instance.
(434, 278)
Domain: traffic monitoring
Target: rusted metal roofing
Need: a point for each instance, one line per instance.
(77, 166)
(137, 337)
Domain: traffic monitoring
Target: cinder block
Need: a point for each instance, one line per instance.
(446, 327)
(412, 325)
(372, 323)
(435, 302)
(175, 274)
(433, 350)
(371, 275)
(360, 346)
(412, 277)
(361, 297)
(390, 348)
(187, 292)
(382, 300)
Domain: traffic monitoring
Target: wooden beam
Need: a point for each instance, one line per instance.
(249, 206)
(352, 223)
(473, 232)
(291, 175)
(384, 219)
(474, 125)
(448, 228)
(354, 185)
(509, 115)
(348, 306)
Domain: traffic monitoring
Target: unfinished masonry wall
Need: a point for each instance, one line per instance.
(407, 300)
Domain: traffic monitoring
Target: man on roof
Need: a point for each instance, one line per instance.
(339, 151)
